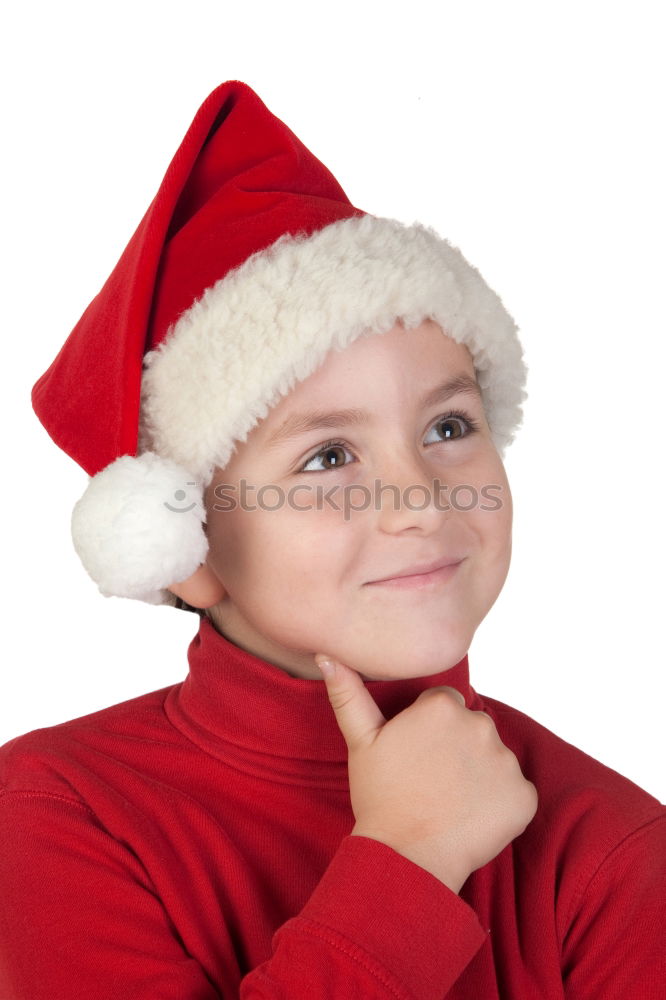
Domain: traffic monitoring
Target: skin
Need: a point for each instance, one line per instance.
(288, 584)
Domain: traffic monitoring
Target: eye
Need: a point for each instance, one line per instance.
(456, 426)
(331, 448)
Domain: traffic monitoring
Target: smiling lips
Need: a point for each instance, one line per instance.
(424, 575)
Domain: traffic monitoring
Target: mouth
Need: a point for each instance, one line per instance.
(440, 573)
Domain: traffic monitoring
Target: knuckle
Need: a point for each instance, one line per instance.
(509, 758)
(532, 797)
(527, 802)
(486, 729)
(485, 721)
(340, 699)
(442, 697)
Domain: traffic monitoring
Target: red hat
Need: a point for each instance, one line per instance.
(249, 266)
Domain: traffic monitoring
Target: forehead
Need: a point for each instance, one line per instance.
(400, 357)
(420, 366)
(301, 421)
(414, 368)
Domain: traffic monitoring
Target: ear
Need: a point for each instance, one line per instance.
(201, 590)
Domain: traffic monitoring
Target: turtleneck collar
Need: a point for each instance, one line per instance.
(261, 720)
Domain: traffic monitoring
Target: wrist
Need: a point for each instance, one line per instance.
(449, 874)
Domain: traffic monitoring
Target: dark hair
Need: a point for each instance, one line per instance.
(184, 606)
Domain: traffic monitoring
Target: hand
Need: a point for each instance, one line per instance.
(435, 783)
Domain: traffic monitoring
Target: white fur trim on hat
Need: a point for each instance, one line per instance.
(270, 322)
(139, 527)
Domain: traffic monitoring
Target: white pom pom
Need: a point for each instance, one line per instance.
(139, 527)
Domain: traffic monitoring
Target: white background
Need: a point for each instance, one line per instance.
(528, 134)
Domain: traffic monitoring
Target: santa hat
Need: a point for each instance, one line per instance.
(248, 267)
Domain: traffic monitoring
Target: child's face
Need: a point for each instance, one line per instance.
(298, 581)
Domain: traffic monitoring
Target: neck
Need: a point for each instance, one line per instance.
(242, 709)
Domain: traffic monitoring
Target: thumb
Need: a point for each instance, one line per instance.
(356, 711)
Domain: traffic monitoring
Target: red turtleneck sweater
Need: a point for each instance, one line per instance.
(194, 843)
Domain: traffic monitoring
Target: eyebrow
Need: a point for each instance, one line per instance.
(300, 423)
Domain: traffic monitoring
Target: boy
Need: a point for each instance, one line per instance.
(293, 415)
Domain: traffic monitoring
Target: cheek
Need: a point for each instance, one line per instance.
(502, 517)
(308, 551)
(495, 529)
(286, 549)
(288, 577)
(224, 530)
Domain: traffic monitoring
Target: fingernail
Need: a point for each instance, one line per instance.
(327, 668)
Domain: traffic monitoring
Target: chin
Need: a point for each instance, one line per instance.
(404, 669)
(420, 659)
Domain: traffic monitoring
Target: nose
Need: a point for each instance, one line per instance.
(409, 495)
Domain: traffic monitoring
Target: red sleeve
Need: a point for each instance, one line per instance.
(377, 925)
(78, 918)
(614, 947)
